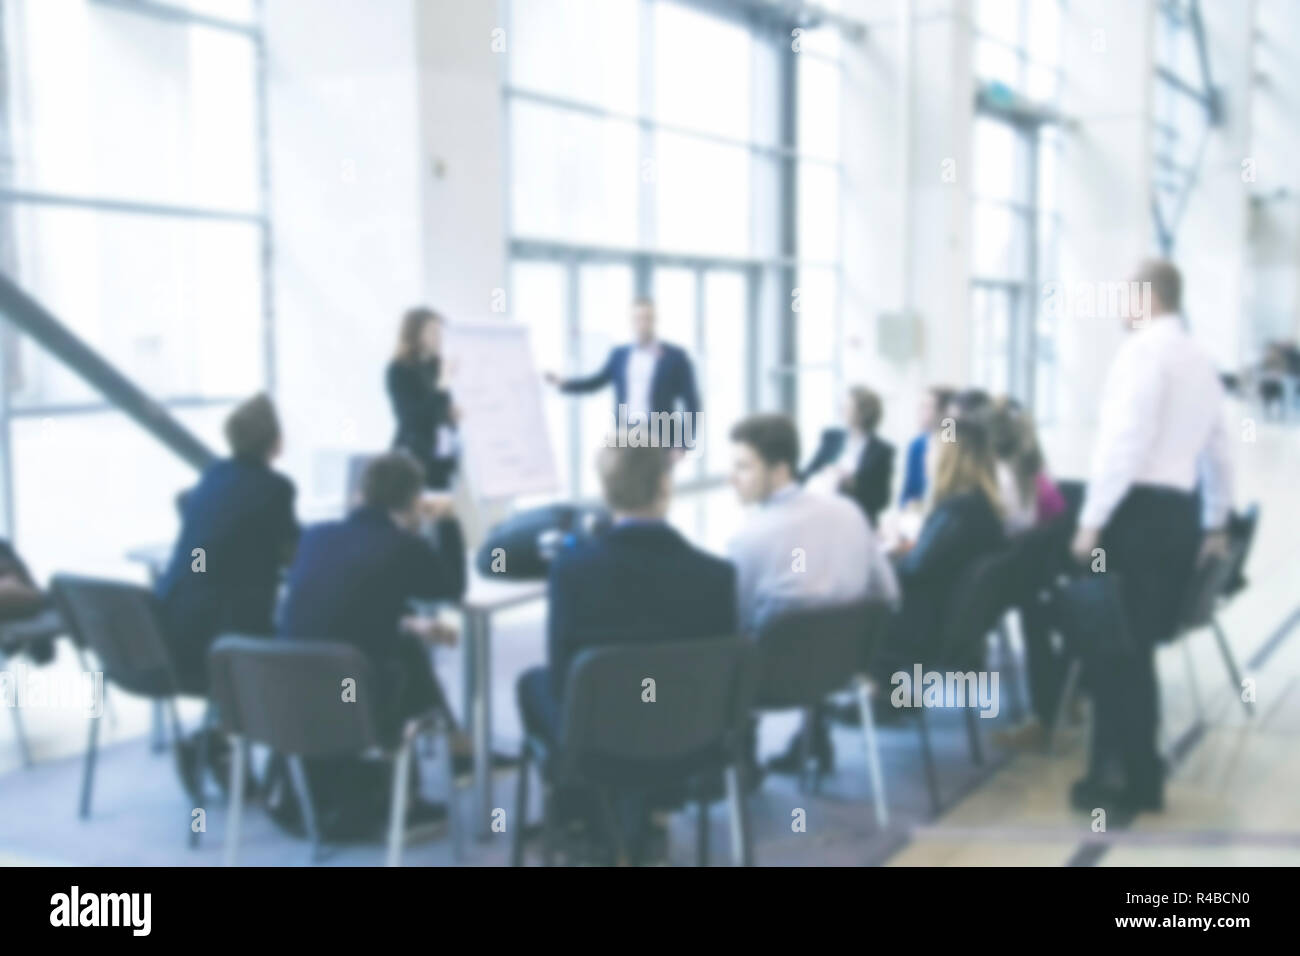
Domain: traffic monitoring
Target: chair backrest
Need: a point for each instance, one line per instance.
(1072, 491)
(702, 694)
(1204, 590)
(1241, 534)
(291, 695)
(1041, 553)
(119, 622)
(803, 655)
(982, 594)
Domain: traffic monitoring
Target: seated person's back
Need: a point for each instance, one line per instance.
(638, 581)
(237, 531)
(353, 580)
(964, 525)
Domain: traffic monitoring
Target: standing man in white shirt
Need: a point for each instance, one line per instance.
(648, 375)
(1161, 440)
(797, 548)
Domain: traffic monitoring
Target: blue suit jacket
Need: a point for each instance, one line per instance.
(241, 515)
(639, 581)
(352, 580)
(673, 379)
(914, 475)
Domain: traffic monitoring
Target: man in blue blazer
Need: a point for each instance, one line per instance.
(352, 582)
(648, 375)
(638, 581)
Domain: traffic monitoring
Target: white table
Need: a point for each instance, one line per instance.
(483, 598)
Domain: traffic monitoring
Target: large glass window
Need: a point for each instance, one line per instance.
(1015, 218)
(132, 207)
(688, 151)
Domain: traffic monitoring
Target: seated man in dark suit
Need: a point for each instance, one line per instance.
(857, 463)
(639, 581)
(237, 531)
(353, 580)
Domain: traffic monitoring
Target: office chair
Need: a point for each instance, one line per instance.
(806, 655)
(287, 695)
(610, 738)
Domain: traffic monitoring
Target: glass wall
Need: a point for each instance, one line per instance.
(686, 151)
(132, 207)
(1015, 219)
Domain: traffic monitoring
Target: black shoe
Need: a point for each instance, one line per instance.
(1090, 793)
(791, 762)
(187, 767)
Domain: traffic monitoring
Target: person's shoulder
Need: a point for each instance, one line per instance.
(709, 565)
(845, 513)
(886, 447)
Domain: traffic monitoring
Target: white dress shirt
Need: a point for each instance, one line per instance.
(801, 549)
(640, 373)
(1161, 424)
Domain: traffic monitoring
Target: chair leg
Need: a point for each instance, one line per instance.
(548, 825)
(702, 832)
(805, 749)
(16, 716)
(927, 758)
(1063, 705)
(1007, 664)
(973, 736)
(1234, 673)
(519, 824)
(157, 729)
(1192, 684)
(397, 803)
(874, 772)
(298, 776)
(237, 757)
(741, 851)
(454, 820)
(88, 768)
(610, 819)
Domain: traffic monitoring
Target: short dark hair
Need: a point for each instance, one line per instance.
(253, 428)
(867, 408)
(773, 437)
(632, 475)
(392, 481)
(1166, 282)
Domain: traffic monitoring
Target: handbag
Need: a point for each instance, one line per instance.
(1092, 616)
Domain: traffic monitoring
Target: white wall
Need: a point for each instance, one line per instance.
(344, 129)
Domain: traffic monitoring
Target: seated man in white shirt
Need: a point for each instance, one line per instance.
(797, 549)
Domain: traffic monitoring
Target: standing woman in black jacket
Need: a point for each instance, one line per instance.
(426, 417)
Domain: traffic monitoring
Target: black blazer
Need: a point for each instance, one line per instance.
(353, 580)
(873, 473)
(639, 581)
(956, 533)
(421, 408)
(241, 515)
